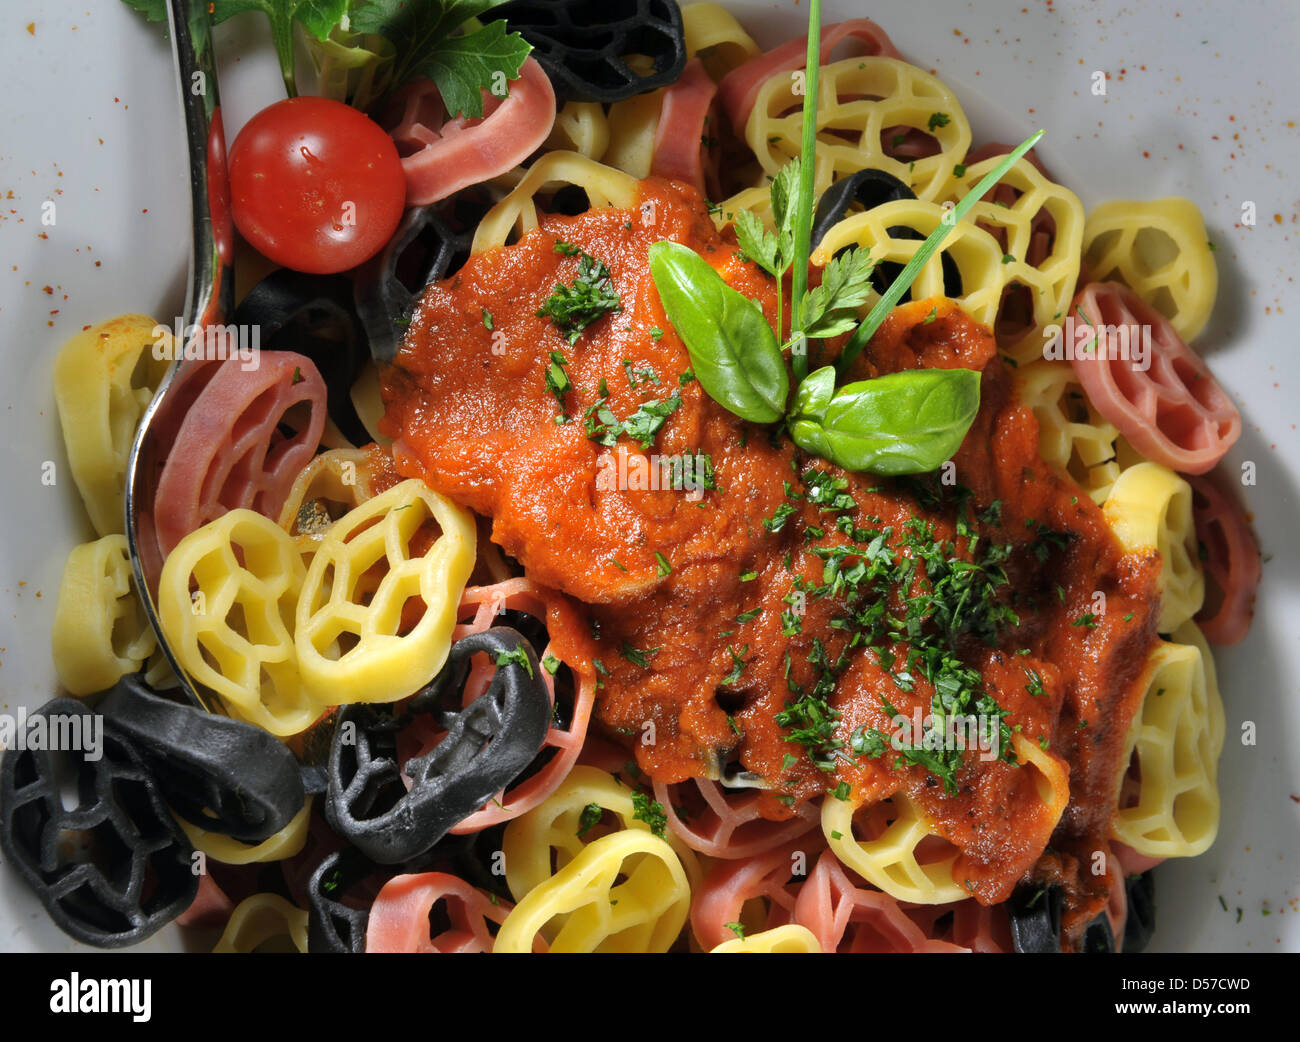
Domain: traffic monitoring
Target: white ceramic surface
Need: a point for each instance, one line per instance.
(1201, 102)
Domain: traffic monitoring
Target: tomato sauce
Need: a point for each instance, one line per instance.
(685, 594)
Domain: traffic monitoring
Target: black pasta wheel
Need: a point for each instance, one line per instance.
(429, 244)
(1140, 923)
(116, 868)
(220, 774)
(1035, 913)
(334, 923)
(314, 315)
(584, 44)
(488, 744)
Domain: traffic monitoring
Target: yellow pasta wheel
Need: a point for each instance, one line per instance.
(350, 633)
(715, 37)
(1176, 738)
(517, 212)
(100, 630)
(1159, 250)
(264, 922)
(286, 843)
(366, 399)
(791, 939)
(1049, 281)
(643, 913)
(1150, 507)
(330, 485)
(226, 601)
(104, 378)
(546, 838)
(1072, 435)
(582, 127)
(858, 99)
(757, 200)
(975, 252)
(632, 126)
(889, 861)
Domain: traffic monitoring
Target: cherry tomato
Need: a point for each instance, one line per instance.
(316, 185)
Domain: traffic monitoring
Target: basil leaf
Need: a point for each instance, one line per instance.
(904, 423)
(733, 350)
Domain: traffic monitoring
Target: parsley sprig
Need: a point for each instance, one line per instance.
(590, 296)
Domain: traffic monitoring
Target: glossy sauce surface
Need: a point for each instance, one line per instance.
(697, 661)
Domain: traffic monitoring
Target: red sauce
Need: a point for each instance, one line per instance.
(480, 427)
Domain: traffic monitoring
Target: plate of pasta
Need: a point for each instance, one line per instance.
(651, 477)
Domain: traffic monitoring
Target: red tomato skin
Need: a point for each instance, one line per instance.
(315, 185)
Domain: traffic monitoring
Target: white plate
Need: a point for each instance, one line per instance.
(91, 123)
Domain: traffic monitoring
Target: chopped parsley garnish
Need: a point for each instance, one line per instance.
(1035, 684)
(1087, 619)
(638, 657)
(487, 319)
(645, 374)
(737, 928)
(557, 382)
(664, 569)
(748, 577)
(574, 307)
(551, 664)
(651, 812)
(643, 425)
(518, 657)
(779, 517)
(738, 664)
(589, 818)
(938, 119)
(841, 791)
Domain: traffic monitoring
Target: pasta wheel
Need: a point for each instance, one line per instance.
(791, 939)
(582, 127)
(104, 378)
(100, 630)
(1173, 808)
(286, 843)
(1150, 507)
(354, 638)
(1041, 229)
(518, 211)
(890, 858)
(369, 404)
(632, 126)
(261, 919)
(1072, 435)
(1160, 251)
(975, 252)
(859, 99)
(756, 200)
(337, 477)
(715, 37)
(547, 838)
(233, 634)
(644, 913)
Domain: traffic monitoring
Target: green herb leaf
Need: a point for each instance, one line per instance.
(574, 307)
(461, 66)
(832, 308)
(318, 17)
(518, 657)
(651, 812)
(733, 350)
(589, 818)
(903, 423)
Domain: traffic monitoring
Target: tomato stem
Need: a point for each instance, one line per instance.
(282, 38)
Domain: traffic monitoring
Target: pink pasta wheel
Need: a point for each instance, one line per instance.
(723, 823)
(432, 913)
(229, 451)
(849, 918)
(480, 606)
(740, 87)
(1174, 412)
(730, 886)
(967, 924)
(681, 139)
(440, 156)
(1230, 559)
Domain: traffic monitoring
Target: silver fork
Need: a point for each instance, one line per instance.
(208, 297)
